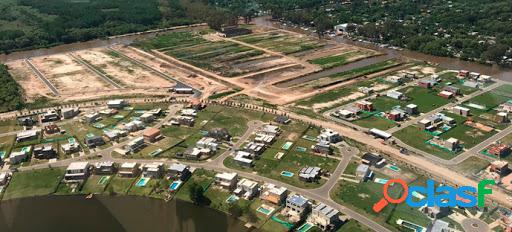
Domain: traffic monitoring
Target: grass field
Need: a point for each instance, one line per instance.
(92, 185)
(416, 138)
(451, 77)
(341, 92)
(426, 100)
(362, 196)
(201, 177)
(34, 183)
(338, 59)
(285, 43)
(472, 165)
(375, 122)
(121, 185)
(466, 134)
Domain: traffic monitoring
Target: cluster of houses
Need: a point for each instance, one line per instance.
(368, 160)
(186, 118)
(352, 112)
(325, 141)
(473, 79)
(78, 172)
(296, 207)
(251, 151)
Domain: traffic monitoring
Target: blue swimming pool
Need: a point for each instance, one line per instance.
(142, 182)
(286, 173)
(175, 185)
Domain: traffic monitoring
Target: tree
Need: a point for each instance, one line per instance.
(196, 194)
(235, 210)
(322, 24)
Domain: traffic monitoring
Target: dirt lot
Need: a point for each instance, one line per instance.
(33, 88)
(129, 74)
(202, 83)
(68, 76)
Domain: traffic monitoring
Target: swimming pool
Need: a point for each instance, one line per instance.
(305, 227)
(2, 154)
(394, 168)
(265, 209)
(417, 195)
(410, 225)
(301, 149)
(142, 182)
(175, 185)
(287, 145)
(287, 173)
(231, 199)
(103, 180)
(380, 181)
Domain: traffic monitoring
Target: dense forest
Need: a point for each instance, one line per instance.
(10, 91)
(470, 29)
(26, 24)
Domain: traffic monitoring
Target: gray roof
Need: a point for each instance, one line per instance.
(178, 167)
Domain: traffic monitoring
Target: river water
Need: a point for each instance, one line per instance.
(112, 214)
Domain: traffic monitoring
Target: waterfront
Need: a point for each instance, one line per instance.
(103, 213)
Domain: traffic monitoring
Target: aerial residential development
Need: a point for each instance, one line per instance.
(254, 116)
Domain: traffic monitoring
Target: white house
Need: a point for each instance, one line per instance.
(246, 188)
(226, 180)
(153, 170)
(329, 136)
(324, 217)
(117, 104)
(395, 94)
(18, 157)
(273, 194)
(129, 169)
(207, 143)
(77, 172)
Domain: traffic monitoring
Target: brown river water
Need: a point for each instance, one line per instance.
(112, 214)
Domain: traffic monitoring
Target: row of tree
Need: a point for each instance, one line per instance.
(10, 91)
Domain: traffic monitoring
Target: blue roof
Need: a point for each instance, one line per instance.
(298, 200)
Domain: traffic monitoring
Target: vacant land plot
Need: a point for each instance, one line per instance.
(362, 196)
(121, 185)
(202, 177)
(68, 76)
(34, 183)
(426, 100)
(121, 70)
(94, 185)
(344, 94)
(341, 59)
(346, 75)
(284, 42)
(33, 87)
(468, 136)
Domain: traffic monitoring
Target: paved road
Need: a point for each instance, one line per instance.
(95, 71)
(252, 127)
(347, 154)
(42, 77)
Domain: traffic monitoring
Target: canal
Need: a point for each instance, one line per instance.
(103, 213)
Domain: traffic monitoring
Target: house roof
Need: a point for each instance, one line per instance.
(297, 200)
(151, 132)
(78, 165)
(178, 167)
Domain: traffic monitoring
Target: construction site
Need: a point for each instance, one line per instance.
(275, 66)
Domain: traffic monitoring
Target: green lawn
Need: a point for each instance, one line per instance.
(201, 177)
(451, 77)
(354, 226)
(375, 122)
(34, 183)
(426, 100)
(145, 190)
(466, 134)
(282, 42)
(9, 125)
(337, 60)
(92, 184)
(121, 185)
(472, 165)
(362, 196)
(416, 138)
(169, 40)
